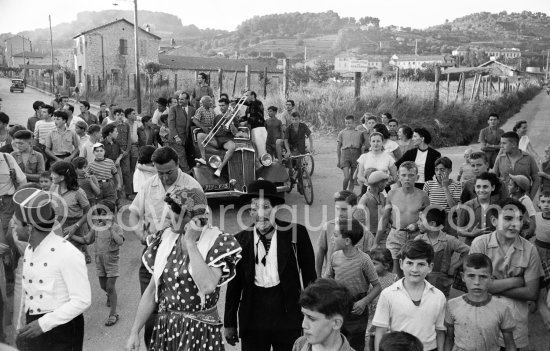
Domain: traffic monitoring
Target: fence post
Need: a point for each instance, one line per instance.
(397, 83)
(220, 82)
(448, 86)
(285, 78)
(436, 93)
(265, 82)
(247, 77)
(128, 90)
(175, 82)
(234, 84)
(357, 81)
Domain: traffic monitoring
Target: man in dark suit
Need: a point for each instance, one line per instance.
(277, 262)
(179, 123)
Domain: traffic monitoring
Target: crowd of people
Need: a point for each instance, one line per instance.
(414, 260)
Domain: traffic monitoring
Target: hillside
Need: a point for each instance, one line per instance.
(324, 34)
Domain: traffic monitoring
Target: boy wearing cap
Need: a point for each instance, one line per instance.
(80, 128)
(373, 201)
(55, 278)
(30, 161)
(107, 176)
(518, 188)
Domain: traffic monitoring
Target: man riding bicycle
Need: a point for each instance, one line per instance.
(295, 140)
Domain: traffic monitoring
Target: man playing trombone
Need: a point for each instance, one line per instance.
(223, 137)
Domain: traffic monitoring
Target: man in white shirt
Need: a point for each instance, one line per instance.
(162, 109)
(148, 211)
(277, 263)
(55, 278)
(72, 120)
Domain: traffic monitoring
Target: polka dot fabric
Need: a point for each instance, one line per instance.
(178, 292)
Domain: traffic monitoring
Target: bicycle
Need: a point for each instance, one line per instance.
(307, 160)
(300, 175)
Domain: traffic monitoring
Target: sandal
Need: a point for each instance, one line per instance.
(113, 318)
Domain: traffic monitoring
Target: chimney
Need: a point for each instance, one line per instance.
(148, 28)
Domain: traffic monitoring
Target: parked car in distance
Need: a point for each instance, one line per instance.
(17, 85)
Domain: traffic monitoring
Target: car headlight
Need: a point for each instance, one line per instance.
(215, 161)
(266, 160)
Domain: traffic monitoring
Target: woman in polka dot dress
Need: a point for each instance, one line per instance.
(189, 262)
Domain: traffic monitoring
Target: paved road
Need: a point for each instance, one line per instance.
(327, 180)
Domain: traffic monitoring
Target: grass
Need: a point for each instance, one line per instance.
(324, 106)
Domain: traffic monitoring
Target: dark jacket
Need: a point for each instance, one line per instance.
(179, 122)
(240, 289)
(429, 168)
(255, 114)
(152, 139)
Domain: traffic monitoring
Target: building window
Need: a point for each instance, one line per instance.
(81, 46)
(123, 48)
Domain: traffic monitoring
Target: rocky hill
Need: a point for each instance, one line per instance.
(325, 33)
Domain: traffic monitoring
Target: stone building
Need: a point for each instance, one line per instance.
(15, 45)
(107, 53)
(30, 58)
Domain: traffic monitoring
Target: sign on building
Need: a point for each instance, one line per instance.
(352, 65)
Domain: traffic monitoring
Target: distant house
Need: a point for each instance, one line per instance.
(109, 51)
(186, 68)
(14, 45)
(28, 58)
(460, 51)
(503, 53)
(500, 69)
(416, 61)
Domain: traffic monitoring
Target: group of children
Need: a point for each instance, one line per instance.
(367, 300)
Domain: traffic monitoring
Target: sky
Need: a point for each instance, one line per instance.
(19, 15)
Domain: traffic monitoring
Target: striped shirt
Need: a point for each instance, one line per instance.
(436, 193)
(356, 272)
(42, 129)
(103, 170)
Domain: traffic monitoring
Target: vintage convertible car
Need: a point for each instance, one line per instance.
(240, 170)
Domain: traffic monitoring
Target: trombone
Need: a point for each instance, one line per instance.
(225, 121)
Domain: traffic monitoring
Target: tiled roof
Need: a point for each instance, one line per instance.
(29, 54)
(213, 63)
(116, 21)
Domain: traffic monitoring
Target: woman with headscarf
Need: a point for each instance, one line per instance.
(189, 262)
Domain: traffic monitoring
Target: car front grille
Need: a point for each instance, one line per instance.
(241, 168)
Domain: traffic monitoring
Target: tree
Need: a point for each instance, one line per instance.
(322, 71)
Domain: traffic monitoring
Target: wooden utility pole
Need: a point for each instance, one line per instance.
(137, 85)
(357, 84)
(51, 53)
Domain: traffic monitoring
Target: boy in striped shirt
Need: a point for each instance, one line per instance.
(107, 176)
(355, 270)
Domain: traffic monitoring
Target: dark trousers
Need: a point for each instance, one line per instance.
(144, 279)
(65, 337)
(269, 325)
(126, 174)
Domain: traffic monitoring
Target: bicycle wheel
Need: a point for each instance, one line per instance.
(309, 164)
(307, 186)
